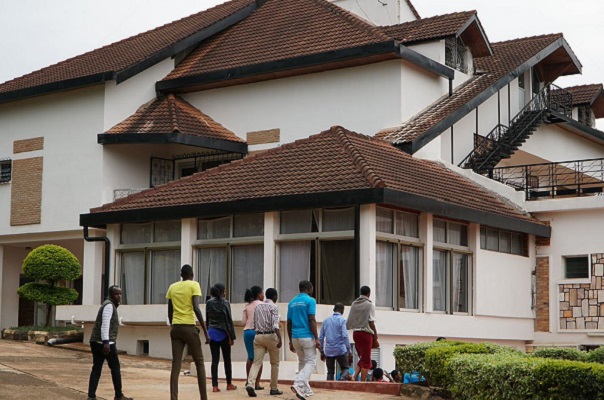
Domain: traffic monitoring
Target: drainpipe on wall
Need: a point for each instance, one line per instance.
(357, 249)
(107, 256)
(450, 87)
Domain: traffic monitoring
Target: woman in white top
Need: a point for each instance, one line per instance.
(253, 297)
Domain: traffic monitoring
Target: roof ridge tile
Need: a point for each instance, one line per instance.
(357, 158)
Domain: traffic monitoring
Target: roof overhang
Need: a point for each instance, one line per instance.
(560, 62)
(474, 36)
(597, 104)
(437, 129)
(166, 138)
(317, 200)
(580, 129)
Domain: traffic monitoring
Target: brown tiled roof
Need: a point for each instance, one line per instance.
(585, 94)
(429, 28)
(333, 161)
(280, 30)
(172, 114)
(507, 56)
(126, 53)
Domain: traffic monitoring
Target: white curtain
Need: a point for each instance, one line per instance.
(337, 272)
(338, 219)
(409, 275)
(212, 267)
(294, 266)
(165, 270)
(247, 268)
(167, 231)
(384, 274)
(458, 234)
(384, 220)
(215, 228)
(133, 278)
(440, 231)
(439, 283)
(136, 233)
(407, 224)
(461, 283)
(245, 225)
(299, 221)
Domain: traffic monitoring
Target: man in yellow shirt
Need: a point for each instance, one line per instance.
(183, 306)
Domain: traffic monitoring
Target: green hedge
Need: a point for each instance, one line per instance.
(438, 372)
(560, 353)
(596, 355)
(510, 377)
(412, 358)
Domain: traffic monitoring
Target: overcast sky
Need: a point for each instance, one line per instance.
(37, 33)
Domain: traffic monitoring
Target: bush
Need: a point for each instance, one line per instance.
(412, 358)
(51, 329)
(596, 355)
(510, 377)
(438, 372)
(560, 353)
(50, 295)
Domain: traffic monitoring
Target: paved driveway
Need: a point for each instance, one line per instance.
(33, 371)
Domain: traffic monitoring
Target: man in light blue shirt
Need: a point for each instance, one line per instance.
(303, 338)
(335, 343)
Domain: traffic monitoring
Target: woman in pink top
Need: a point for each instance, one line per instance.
(253, 297)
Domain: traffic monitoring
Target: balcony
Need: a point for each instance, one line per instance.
(564, 179)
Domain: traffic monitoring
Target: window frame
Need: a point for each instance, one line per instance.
(587, 279)
(229, 243)
(6, 164)
(484, 244)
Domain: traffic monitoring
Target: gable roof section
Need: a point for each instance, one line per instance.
(413, 9)
(281, 35)
(123, 59)
(509, 59)
(334, 168)
(460, 24)
(592, 95)
(170, 119)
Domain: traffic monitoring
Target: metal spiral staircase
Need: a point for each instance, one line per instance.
(502, 141)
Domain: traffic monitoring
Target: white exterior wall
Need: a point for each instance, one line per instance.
(69, 123)
(360, 99)
(387, 13)
(121, 101)
(576, 232)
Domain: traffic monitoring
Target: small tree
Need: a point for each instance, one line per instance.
(50, 263)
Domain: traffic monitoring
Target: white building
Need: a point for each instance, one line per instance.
(448, 251)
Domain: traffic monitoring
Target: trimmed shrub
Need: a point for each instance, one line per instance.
(50, 295)
(438, 372)
(596, 355)
(412, 358)
(560, 353)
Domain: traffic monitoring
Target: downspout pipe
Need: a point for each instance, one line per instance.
(107, 256)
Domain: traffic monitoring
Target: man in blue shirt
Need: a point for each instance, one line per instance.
(335, 343)
(303, 338)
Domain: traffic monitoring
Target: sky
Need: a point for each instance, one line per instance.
(38, 33)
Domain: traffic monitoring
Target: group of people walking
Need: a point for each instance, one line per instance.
(261, 335)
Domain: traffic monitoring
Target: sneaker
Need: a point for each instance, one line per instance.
(298, 392)
(309, 393)
(250, 391)
(230, 386)
(275, 392)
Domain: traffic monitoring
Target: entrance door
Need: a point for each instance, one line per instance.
(27, 308)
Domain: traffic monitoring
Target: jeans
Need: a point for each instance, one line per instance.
(189, 335)
(307, 360)
(98, 358)
(215, 348)
(265, 343)
(330, 363)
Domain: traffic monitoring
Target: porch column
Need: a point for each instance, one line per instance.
(367, 274)
(271, 229)
(92, 271)
(187, 237)
(1, 286)
(426, 236)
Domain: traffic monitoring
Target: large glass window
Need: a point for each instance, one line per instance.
(230, 251)
(149, 261)
(450, 232)
(317, 245)
(398, 260)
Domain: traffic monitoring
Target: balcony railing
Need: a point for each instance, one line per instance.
(553, 180)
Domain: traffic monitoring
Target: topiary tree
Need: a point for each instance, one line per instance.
(50, 263)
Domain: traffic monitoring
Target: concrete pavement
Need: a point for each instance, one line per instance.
(33, 371)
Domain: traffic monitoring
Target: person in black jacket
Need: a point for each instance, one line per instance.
(222, 334)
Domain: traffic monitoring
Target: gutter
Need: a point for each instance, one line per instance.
(107, 256)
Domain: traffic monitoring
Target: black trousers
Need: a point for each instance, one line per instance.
(215, 348)
(330, 363)
(98, 359)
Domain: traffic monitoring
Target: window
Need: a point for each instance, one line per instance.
(451, 268)
(576, 267)
(149, 258)
(398, 260)
(230, 250)
(317, 245)
(457, 55)
(535, 84)
(503, 241)
(5, 170)
(585, 115)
